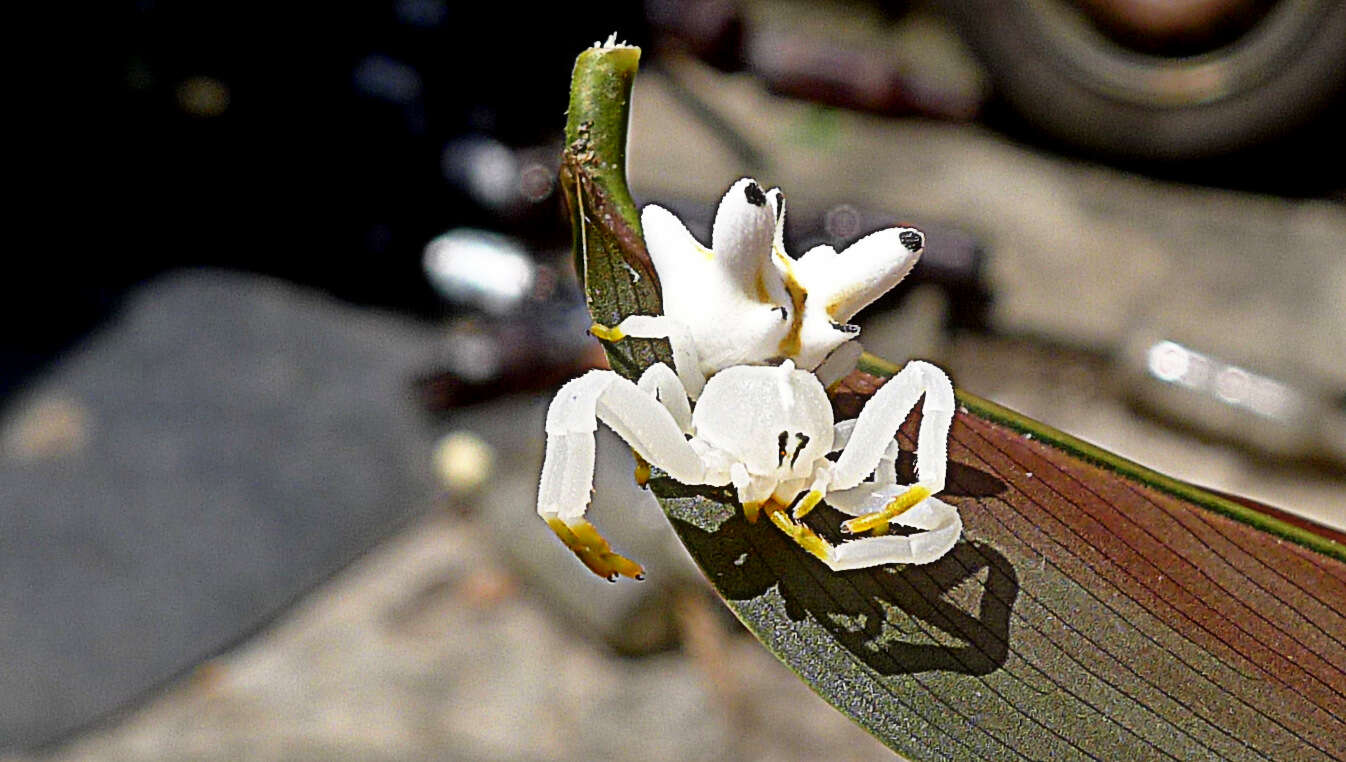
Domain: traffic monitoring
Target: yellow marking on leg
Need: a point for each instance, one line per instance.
(805, 537)
(890, 511)
(594, 551)
(604, 333)
(807, 503)
(642, 470)
(750, 510)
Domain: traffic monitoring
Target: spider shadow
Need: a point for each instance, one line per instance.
(951, 615)
(962, 480)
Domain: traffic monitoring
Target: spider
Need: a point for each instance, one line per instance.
(747, 324)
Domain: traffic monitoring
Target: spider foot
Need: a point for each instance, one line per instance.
(803, 536)
(879, 519)
(807, 503)
(594, 551)
(642, 470)
(750, 511)
(605, 333)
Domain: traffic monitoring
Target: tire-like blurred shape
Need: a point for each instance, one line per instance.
(1064, 75)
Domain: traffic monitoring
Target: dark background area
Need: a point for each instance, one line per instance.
(310, 142)
(301, 141)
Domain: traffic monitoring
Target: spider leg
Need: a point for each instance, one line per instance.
(873, 437)
(940, 527)
(661, 383)
(895, 507)
(568, 467)
(822, 476)
(886, 470)
(839, 364)
(938, 521)
(753, 492)
(800, 532)
(883, 415)
(686, 360)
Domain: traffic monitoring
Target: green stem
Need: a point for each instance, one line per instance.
(597, 120)
(609, 245)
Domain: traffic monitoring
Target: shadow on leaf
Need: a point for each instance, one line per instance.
(963, 480)
(952, 615)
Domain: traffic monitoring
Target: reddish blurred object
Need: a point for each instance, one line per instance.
(811, 66)
(1159, 80)
(483, 361)
(1162, 21)
(711, 30)
(815, 68)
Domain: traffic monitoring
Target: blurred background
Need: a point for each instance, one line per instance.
(269, 446)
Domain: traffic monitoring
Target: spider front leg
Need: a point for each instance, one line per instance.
(568, 466)
(873, 432)
(763, 494)
(838, 365)
(686, 360)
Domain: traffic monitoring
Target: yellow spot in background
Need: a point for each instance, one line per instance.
(46, 427)
(463, 461)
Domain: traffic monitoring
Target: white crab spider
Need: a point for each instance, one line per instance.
(746, 301)
(766, 431)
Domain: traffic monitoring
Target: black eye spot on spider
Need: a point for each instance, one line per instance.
(784, 314)
(912, 239)
(781, 451)
(803, 440)
(780, 205)
(846, 327)
(754, 193)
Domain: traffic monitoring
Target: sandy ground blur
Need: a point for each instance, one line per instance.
(430, 648)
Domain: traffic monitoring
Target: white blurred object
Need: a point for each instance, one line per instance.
(484, 270)
(1225, 399)
(486, 168)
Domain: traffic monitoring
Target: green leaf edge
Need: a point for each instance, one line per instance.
(986, 409)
